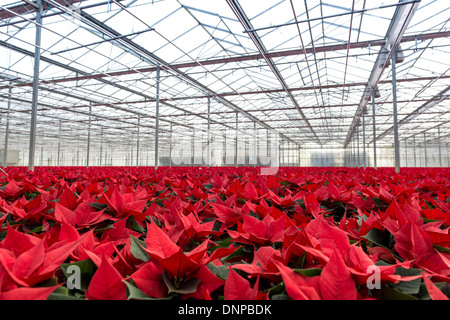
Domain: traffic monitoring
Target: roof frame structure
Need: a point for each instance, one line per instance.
(242, 56)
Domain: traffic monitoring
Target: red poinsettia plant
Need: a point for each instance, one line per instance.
(117, 233)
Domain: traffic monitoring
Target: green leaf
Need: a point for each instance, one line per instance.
(408, 287)
(110, 226)
(208, 186)
(379, 203)
(60, 296)
(310, 272)
(426, 220)
(157, 193)
(441, 249)
(220, 271)
(98, 206)
(241, 252)
(278, 289)
(137, 251)
(378, 237)
(134, 225)
(383, 239)
(189, 286)
(134, 293)
(280, 296)
(388, 293)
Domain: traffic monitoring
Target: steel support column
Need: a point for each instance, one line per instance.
(406, 152)
(358, 163)
(364, 140)
(137, 141)
(439, 146)
(425, 149)
(34, 100)
(374, 129)
(89, 138)
(394, 104)
(101, 148)
(414, 149)
(5, 152)
(208, 143)
(157, 119)
(237, 137)
(254, 158)
(58, 161)
(170, 147)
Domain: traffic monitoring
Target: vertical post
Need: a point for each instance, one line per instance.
(170, 147)
(5, 154)
(394, 96)
(157, 119)
(406, 152)
(357, 143)
(88, 139)
(255, 158)
(425, 149)
(34, 99)
(351, 153)
(374, 131)
(289, 153)
(439, 146)
(236, 144)
(42, 156)
(208, 143)
(414, 149)
(59, 146)
(137, 141)
(364, 140)
(101, 148)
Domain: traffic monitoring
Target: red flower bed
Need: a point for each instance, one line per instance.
(180, 233)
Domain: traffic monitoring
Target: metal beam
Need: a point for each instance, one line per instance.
(402, 17)
(5, 151)
(157, 61)
(88, 147)
(394, 105)
(441, 96)
(138, 141)
(157, 119)
(374, 129)
(208, 144)
(243, 19)
(59, 145)
(364, 141)
(242, 93)
(352, 11)
(25, 8)
(34, 99)
(243, 58)
(439, 146)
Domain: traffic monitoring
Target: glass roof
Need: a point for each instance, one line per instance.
(301, 68)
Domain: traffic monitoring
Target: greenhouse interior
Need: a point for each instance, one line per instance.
(175, 151)
(121, 83)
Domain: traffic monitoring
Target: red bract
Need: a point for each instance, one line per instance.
(225, 233)
(106, 284)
